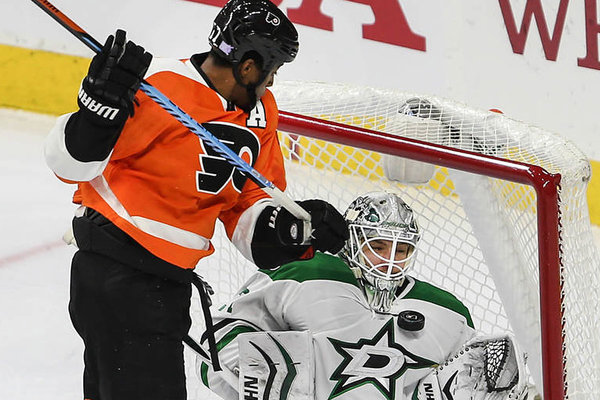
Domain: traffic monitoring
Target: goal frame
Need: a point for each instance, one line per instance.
(545, 184)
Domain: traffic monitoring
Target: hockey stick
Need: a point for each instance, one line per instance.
(166, 104)
(225, 373)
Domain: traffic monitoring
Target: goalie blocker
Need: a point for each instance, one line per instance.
(281, 365)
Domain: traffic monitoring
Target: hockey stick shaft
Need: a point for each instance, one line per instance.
(225, 373)
(165, 103)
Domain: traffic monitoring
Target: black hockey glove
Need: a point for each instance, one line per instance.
(330, 231)
(108, 91)
(278, 234)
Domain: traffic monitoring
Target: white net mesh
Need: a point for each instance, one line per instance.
(480, 237)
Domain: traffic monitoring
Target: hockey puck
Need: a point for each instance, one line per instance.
(411, 320)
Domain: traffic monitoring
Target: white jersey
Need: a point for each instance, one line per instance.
(358, 354)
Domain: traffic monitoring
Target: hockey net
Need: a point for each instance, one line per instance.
(504, 216)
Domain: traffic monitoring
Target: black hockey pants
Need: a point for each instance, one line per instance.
(132, 322)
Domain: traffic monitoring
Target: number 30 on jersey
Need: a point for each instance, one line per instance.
(216, 171)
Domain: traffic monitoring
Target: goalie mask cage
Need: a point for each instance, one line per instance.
(504, 218)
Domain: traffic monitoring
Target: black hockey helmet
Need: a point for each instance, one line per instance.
(254, 25)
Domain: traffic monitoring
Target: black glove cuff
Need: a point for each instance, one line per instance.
(99, 112)
(86, 141)
(272, 244)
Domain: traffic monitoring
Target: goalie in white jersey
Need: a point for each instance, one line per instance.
(352, 326)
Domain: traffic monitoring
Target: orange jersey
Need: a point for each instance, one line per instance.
(164, 187)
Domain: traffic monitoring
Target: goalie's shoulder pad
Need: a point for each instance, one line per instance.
(276, 365)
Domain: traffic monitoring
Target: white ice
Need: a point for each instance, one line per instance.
(40, 353)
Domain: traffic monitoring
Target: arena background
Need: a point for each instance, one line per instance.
(536, 61)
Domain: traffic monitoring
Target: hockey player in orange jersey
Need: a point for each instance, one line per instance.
(151, 191)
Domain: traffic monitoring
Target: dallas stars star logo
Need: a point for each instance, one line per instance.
(378, 361)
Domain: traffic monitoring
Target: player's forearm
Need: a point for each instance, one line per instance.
(260, 243)
(278, 234)
(269, 249)
(86, 141)
(66, 164)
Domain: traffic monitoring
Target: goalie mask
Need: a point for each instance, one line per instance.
(383, 239)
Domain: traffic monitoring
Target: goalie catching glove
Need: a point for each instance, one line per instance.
(485, 368)
(278, 235)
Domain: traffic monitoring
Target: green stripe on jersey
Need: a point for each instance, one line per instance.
(204, 374)
(320, 267)
(232, 334)
(427, 292)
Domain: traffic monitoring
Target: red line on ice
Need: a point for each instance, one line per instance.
(30, 252)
